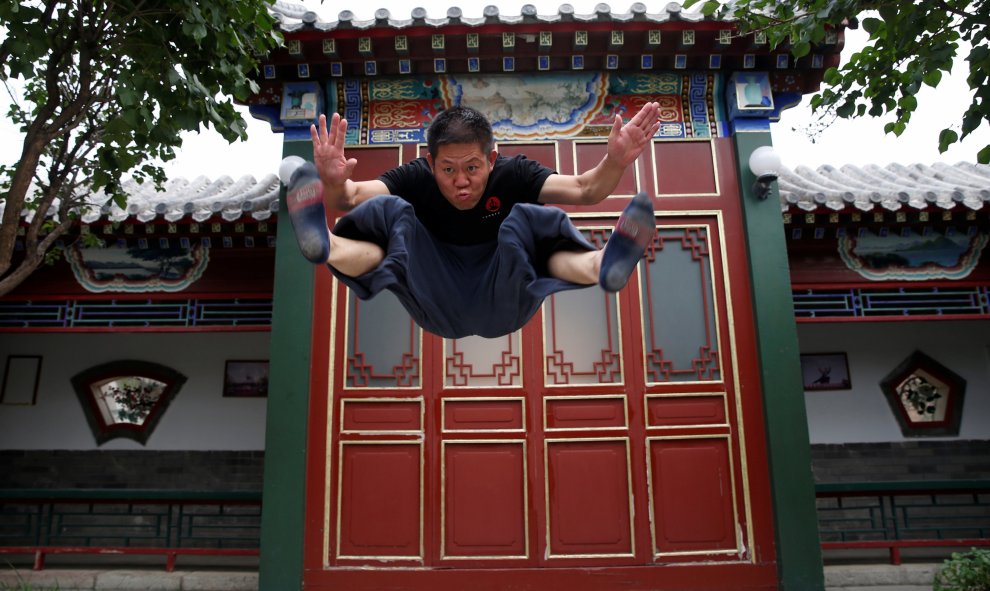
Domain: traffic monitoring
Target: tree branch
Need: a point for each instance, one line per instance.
(980, 18)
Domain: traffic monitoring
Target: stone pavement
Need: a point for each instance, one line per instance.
(880, 577)
(61, 579)
(859, 577)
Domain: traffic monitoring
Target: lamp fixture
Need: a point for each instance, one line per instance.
(764, 162)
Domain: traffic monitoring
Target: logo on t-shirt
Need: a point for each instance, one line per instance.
(493, 204)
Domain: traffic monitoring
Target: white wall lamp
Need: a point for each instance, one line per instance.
(765, 164)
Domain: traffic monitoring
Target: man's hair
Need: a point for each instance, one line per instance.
(460, 125)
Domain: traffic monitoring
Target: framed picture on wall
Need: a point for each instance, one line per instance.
(825, 371)
(20, 380)
(245, 378)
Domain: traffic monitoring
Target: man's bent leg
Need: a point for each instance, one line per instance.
(354, 257)
(582, 267)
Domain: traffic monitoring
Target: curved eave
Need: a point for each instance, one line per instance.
(669, 38)
(295, 21)
(185, 201)
(826, 189)
(894, 187)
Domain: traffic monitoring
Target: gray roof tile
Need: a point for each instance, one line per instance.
(295, 17)
(893, 187)
(826, 188)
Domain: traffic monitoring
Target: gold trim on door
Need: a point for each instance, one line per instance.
(629, 490)
(422, 417)
(625, 413)
(732, 485)
(657, 172)
(443, 413)
(443, 498)
(340, 485)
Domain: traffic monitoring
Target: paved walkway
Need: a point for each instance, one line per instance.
(880, 577)
(131, 580)
(871, 577)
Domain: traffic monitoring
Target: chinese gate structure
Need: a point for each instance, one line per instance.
(649, 439)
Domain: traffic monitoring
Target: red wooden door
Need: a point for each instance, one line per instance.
(616, 435)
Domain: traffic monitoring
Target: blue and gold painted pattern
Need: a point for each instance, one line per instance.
(532, 106)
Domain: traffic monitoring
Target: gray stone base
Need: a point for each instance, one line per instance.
(858, 577)
(880, 577)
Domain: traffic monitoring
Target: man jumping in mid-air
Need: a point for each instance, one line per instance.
(461, 236)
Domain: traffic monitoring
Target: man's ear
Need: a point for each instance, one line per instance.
(429, 160)
(491, 158)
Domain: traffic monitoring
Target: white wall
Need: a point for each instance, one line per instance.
(199, 417)
(862, 414)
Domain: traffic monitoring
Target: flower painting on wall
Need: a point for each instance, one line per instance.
(925, 396)
(126, 398)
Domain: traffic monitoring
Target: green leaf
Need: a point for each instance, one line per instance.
(710, 7)
(983, 156)
(946, 138)
(801, 49)
(872, 25)
(889, 12)
(932, 78)
(908, 103)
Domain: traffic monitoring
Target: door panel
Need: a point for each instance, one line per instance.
(475, 362)
(484, 500)
(679, 308)
(381, 503)
(588, 498)
(585, 352)
(610, 433)
(692, 495)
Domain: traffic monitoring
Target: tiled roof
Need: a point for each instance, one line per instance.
(183, 200)
(826, 188)
(892, 187)
(196, 200)
(295, 17)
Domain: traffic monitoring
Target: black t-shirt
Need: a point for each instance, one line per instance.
(512, 180)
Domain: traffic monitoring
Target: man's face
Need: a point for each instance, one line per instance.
(462, 172)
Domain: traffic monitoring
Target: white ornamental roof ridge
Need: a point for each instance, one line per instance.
(971, 191)
(911, 191)
(879, 188)
(968, 176)
(180, 199)
(892, 187)
(807, 189)
(294, 17)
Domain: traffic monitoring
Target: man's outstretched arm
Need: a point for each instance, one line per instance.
(625, 144)
(339, 191)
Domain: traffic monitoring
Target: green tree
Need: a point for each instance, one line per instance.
(103, 89)
(911, 44)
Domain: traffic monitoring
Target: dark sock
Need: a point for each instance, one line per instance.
(304, 197)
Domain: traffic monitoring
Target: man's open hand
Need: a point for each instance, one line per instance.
(328, 152)
(627, 142)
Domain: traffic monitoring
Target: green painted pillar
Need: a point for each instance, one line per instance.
(284, 493)
(791, 482)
